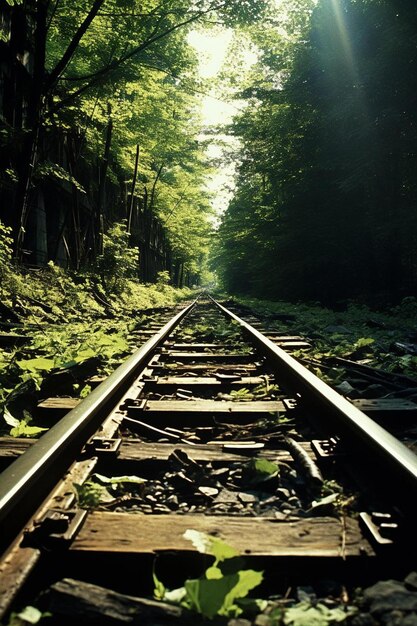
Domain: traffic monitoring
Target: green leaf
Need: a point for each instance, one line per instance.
(325, 502)
(116, 480)
(30, 614)
(217, 596)
(363, 342)
(241, 395)
(24, 430)
(213, 573)
(159, 587)
(85, 391)
(177, 596)
(248, 580)
(210, 545)
(91, 494)
(303, 614)
(263, 466)
(34, 365)
(85, 354)
(208, 596)
(9, 419)
(260, 470)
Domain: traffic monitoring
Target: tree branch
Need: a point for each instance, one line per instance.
(117, 62)
(52, 15)
(69, 52)
(167, 72)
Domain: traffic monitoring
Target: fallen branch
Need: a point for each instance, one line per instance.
(306, 462)
(158, 431)
(98, 605)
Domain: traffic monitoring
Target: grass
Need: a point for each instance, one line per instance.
(73, 327)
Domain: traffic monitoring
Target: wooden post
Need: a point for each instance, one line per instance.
(99, 221)
(135, 175)
(29, 153)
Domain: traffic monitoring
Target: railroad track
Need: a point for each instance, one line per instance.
(210, 427)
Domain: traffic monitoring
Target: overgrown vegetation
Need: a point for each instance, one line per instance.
(223, 330)
(383, 338)
(67, 325)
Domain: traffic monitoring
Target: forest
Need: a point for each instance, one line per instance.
(325, 203)
(101, 132)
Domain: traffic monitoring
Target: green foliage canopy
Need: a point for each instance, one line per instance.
(324, 207)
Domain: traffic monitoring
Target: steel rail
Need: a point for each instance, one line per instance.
(393, 453)
(29, 479)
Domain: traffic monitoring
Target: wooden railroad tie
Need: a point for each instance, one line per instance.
(141, 534)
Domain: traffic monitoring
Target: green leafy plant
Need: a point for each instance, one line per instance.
(306, 614)
(241, 395)
(91, 494)
(264, 390)
(28, 615)
(258, 471)
(163, 278)
(85, 391)
(222, 586)
(103, 489)
(21, 428)
(223, 589)
(333, 500)
(5, 254)
(47, 169)
(118, 261)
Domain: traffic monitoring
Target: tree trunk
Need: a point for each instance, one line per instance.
(33, 123)
(132, 193)
(98, 232)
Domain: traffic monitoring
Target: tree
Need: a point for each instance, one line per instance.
(328, 147)
(106, 78)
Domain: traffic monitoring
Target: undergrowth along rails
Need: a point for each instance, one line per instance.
(59, 330)
(384, 338)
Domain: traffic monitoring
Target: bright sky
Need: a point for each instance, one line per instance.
(211, 49)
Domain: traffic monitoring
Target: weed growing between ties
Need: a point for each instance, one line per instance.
(223, 589)
(251, 488)
(222, 596)
(104, 490)
(207, 329)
